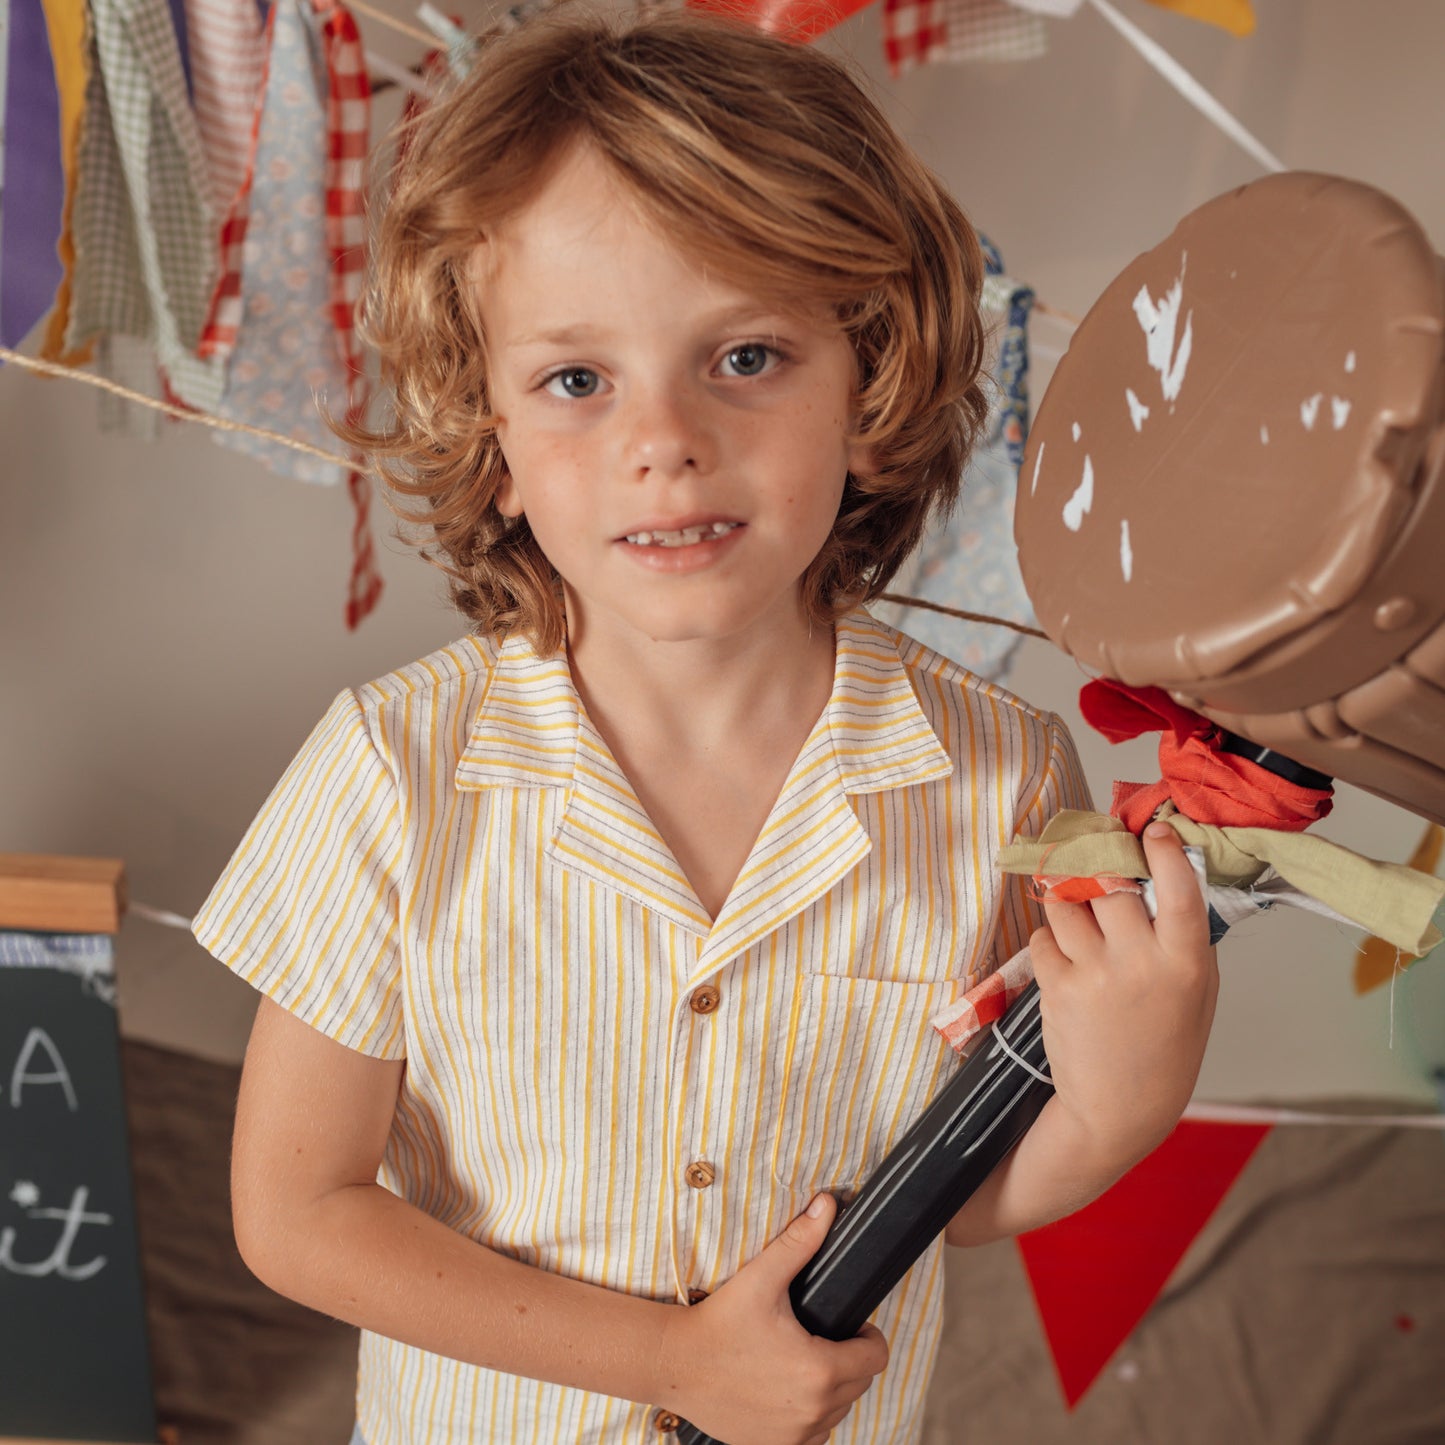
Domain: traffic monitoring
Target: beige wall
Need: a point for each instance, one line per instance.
(172, 613)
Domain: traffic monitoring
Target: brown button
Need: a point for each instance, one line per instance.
(700, 1174)
(666, 1421)
(696, 1296)
(705, 999)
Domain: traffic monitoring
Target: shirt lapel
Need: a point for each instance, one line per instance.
(531, 731)
(872, 736)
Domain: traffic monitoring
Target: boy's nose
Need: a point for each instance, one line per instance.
(668, 434)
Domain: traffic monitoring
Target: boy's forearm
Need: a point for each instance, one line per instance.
(367, 1257)
(1054, 1171)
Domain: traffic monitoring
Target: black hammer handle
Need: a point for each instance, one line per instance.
(983, 1110)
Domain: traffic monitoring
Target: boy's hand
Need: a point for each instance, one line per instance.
(1127, 1005)
(747, 1372)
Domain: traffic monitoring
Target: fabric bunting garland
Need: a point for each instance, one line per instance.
(131, 143)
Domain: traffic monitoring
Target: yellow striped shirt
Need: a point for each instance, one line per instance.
(455, 870)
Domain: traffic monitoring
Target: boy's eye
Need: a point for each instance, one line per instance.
(575, 381)
(752, 359)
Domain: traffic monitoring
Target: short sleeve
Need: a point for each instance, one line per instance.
(1062, 786)
(307, 909)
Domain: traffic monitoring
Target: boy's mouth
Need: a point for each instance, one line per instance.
(683, 536)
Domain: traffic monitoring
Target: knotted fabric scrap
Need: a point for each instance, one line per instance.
(1390, 900)
(985, 1002)
(1207, 784)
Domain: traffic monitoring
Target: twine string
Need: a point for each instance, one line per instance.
(180, 413)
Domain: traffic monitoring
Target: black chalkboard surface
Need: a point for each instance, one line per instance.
(74, 1360)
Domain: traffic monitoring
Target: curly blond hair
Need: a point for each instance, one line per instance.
(772, 169)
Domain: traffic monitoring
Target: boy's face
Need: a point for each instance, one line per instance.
(678, 447)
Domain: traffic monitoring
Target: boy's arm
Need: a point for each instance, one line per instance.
(311, 1222)
(1126, 1006)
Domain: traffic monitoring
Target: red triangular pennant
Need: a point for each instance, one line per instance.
(1095, 1274)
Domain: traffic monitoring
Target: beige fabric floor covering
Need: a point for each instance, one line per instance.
(1311, 1311)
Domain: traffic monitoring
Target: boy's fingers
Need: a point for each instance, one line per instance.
(859, 1361)
(1047, 958)
(1074, 926)
(872, 1352)
(1181, 916)
(799, 1242)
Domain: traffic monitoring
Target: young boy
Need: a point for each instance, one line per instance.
(599, 949)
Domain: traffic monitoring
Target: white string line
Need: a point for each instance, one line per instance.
(1188, 87)
(159, 915)
(1018, 1058)
(397, 74)
(1258, 1114)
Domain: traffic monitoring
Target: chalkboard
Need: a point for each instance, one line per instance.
(74, 1359)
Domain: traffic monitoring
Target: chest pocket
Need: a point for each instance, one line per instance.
(860, 1065)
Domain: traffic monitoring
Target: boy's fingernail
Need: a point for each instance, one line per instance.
(1158, 830)
(816, 1207)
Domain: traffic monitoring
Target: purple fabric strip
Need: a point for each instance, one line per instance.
(30, 269)
(183, 42)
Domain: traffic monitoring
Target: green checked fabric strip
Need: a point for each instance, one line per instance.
(146, 239)
(109, 293)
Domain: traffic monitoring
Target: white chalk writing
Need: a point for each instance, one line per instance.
(73, 1218)
(22, 1074)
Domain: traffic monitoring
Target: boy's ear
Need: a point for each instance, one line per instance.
(860, 458)
(508, 501)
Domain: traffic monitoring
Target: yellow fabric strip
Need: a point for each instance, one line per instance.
(1076, 844)
(1394, 902)
(65, 21)
(1386, 899)
(1235, 16)
(1377, 960)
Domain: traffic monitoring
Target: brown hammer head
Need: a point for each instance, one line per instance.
(1233, 486)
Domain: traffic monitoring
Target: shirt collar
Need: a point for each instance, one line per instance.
(527, 732)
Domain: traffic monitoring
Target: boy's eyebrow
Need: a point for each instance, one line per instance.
(726, 318)
(561, 336)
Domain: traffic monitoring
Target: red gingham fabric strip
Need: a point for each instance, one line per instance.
(364, 587)
(348, 125)
(912, 31)
(223, 321)
(987, 1001)
(348, 120)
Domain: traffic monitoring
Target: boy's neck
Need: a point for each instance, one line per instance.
(707, 733)
(700, 694)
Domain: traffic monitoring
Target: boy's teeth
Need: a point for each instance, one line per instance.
(686, 537)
